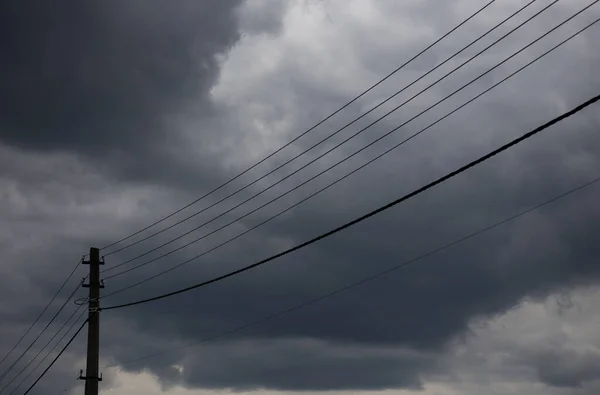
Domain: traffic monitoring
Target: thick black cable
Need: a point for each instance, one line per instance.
(372, 213)
(56, 358)
(5, 373)
(41, 314)
(307, 131)
(42, 350)
(363, 280)
(330, 150)
(365, 164)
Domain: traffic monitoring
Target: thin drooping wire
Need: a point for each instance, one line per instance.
(307, 131)
(363, 280)
(328, 151)
(41, 314)
(56, 358)
(41, 350)
(367, 163)
(370, 214)
(49, 351)
(318, 143)
(40, 334)
(221, 200)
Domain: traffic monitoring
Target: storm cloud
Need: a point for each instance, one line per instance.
(178, 98)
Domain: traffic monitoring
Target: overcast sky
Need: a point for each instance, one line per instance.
(114, 114)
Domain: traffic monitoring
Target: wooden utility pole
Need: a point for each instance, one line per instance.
(92, 376)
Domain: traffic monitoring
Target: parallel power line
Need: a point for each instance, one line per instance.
(16, 361)
(328, 151)
(46, 346)
(368, 215)
(77, 320)
(57, 357)
(364, 280)
(480, 10)
(321, 155)
(336, 291)
(387, 151)
(39, 316)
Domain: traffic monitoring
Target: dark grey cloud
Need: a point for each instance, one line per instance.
(385, 334)
(567, 368)
(106, 80)
(298, 364)
(317, 367)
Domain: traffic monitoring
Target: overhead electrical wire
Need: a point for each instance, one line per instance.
(306, 132)
(334, 147)
(40, 315)
(41, 350)
(364, 280)
(368, 215)
(57, 357)
(5, 373)
(325, 139)
(379, 156)
(347, 175)
(49, 352)
(302, 153)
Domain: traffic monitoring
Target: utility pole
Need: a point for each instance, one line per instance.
(92, 376)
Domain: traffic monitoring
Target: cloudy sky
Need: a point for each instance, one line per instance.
(114, 114)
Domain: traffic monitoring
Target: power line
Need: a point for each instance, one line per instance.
(370, 161)
(40, 334)
(310, 148)
(40, 315)
(335, 146)
(56, 358)
(366, 279)
(372, 213)
(48, 353)
(355, 170)
(325, 139)
(42, 350)
(307, 131)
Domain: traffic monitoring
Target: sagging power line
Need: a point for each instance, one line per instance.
(56, 358)
(51, 350)
(427, 88)
(392, 148)
(372, 277)
(388, 76)
(320, 156)
(368, 215)
(37, 319)
(16, 361)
